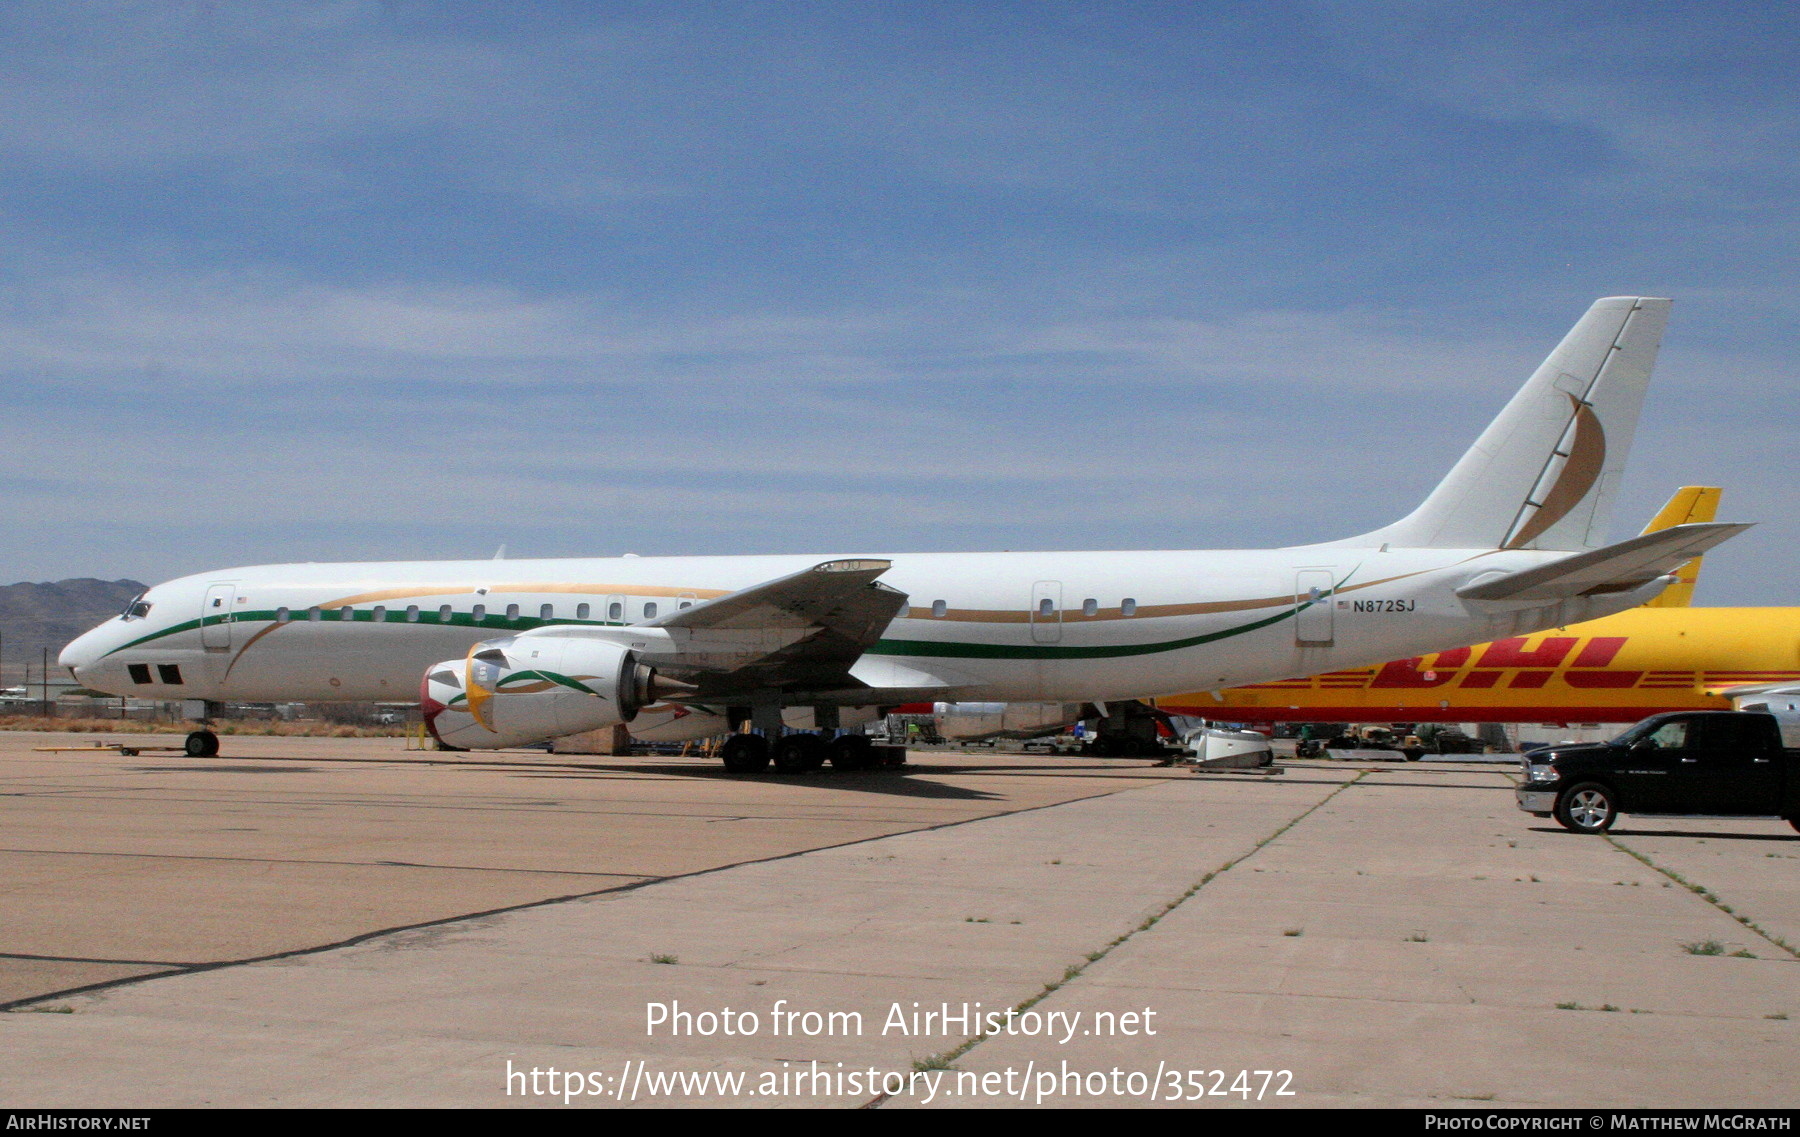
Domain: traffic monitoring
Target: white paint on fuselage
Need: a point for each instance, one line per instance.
(331, 660)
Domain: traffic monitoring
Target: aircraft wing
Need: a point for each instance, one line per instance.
(1613, 568)
(804, 630)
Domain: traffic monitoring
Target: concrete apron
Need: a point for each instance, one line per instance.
(1402, 940)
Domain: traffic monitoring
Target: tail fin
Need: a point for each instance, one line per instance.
(1544, 473)
(1689, 505)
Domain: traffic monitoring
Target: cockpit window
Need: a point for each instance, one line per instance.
(137, 609)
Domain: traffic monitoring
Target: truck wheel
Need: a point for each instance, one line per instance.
(1586, 808)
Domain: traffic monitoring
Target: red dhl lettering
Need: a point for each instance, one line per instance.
(1601, 680)
(1406, 673)
(1598, 652)
(1512, 652)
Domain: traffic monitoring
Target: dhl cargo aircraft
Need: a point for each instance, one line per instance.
(1663, 656)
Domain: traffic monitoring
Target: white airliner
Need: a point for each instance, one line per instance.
(1509, 543)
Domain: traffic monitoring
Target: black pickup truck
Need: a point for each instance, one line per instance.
(1713, 763)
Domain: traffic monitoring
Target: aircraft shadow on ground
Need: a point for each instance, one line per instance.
(892, 782)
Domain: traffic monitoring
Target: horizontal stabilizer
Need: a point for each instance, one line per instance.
(1615, 568)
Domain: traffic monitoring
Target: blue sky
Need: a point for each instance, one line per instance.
(359, 281)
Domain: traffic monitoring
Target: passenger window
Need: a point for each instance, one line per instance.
(378, 614)
(445, 614)
(582, 610)
(1090, 607)
(1128, 607)
(140, 672)
(346, 614)
(650, 610)
(939, 609)
(615, 611)
(412, 613)
(1046, 607)
(687, 604)
(315, 613)
(512, 611)
(281, 615)
(478, 613)
(547, 612)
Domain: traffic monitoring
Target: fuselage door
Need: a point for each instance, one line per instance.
(216, 616)
(1046, 611)
(1313, 623)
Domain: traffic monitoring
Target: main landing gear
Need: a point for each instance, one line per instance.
(202, 744)
(798, 753)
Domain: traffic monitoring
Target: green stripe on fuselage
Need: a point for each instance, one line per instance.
(1057, 651)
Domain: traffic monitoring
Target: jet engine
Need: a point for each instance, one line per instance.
(524, 689)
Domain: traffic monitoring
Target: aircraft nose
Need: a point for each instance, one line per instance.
(82, 653)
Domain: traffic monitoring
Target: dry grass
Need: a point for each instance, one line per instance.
(307, 729)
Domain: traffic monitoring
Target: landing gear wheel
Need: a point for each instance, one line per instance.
(1794, 821)
(799, 753)
(1413, 753)
(202, 744)
(851, 752)
(1586, 808)
(745, 754)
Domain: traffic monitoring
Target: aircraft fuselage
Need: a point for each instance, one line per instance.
(995, 626)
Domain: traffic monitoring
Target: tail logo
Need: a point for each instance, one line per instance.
(1582, 464)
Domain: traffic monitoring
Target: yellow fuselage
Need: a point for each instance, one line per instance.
(1617, 669)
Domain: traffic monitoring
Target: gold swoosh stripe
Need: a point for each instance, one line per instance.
(1144, 611)
(422, 591)
(1587, 456)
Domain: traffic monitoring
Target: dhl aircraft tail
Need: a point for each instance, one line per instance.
(1689, 505)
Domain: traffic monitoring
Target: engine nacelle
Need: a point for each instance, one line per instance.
(975, 721)
(524, 689)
